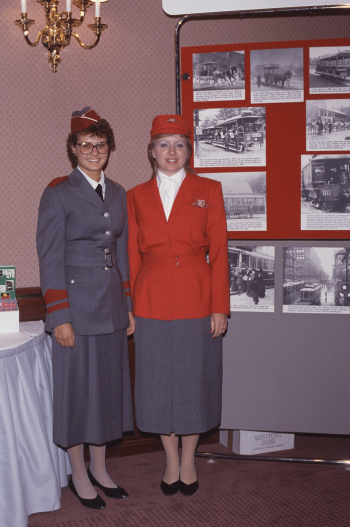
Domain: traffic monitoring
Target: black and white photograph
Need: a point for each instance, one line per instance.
(230, 137)
(329, 69)
(218, 76)
(244, 198)
(316, 280)
(252, 277)
(328, 124)
(10, 285)
(325, 192)
(276, 75)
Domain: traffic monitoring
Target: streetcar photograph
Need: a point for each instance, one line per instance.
(230, 137)
(244, 199)
(329, 69)
(276, 71)
(325, 184)
(252, 277)
(316, 278)
(328, 124)
(218, 71)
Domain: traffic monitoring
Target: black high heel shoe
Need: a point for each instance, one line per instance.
(188, 490)
(95, 503)
(170, 490)
(118, 493)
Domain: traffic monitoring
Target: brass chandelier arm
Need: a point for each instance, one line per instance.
(84, 45)
(25, 24)
(36, 41)
(97, 28)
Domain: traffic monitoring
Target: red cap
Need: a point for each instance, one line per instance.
(170, 124)
(83, 119)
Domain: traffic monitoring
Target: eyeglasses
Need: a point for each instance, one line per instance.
(87, 148)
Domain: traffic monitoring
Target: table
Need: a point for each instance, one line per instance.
(32, 468)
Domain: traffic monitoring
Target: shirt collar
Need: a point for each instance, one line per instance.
(94, 183)
(178, 177)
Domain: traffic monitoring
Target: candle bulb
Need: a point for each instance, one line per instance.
(68, 6)
(23, 6)
(97, 8)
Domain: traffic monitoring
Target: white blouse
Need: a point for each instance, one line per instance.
(94, 183)
(168, 188)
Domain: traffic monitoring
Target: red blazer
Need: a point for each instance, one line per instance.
(169, 274)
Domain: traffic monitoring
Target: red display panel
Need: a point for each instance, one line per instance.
(301, 170)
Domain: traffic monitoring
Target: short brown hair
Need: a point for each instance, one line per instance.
(154, 163)
(99, 129)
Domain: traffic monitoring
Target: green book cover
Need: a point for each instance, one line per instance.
(7, 282)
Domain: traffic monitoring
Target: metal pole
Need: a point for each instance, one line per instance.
(263, 13)
(211, 455)
(346, 303)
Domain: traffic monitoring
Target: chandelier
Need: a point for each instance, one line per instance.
(58, 31)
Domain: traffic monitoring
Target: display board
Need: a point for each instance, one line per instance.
(271, 121)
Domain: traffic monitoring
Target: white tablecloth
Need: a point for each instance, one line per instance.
(32, 468)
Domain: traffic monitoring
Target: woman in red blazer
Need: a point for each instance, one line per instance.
(180, 300)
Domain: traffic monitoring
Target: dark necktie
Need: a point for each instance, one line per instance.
(99, 191)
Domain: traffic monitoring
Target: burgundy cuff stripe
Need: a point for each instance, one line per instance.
(55, 295)
(126, 284)
(57, 307)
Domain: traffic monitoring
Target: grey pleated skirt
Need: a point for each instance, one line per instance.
(91, 390)
(178, 376)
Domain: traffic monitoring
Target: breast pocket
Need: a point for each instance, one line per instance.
(80, 289)
(199, 217)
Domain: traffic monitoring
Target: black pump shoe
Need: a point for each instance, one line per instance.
(110, 492)
(170, 490)
(94, 503)
(188, 490)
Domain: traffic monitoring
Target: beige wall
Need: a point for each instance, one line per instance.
(128, 79)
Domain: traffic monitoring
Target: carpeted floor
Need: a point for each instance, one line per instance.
(231, 493)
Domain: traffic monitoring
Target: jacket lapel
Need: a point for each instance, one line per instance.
(83, 190)
(152, 195)
(112, 193)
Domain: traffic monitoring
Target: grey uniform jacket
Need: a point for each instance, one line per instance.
(79, 236)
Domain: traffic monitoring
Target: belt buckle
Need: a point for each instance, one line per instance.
(109, 260)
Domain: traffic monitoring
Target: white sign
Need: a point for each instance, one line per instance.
(189, 7)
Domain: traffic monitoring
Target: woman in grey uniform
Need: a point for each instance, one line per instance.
(180, 302)
(84, 271)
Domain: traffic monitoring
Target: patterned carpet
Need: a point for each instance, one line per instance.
(231, 493)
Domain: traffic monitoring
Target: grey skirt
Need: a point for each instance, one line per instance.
(91, 390)
(178, 376)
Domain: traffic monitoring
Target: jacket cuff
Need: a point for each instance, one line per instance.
(129, 303)
(58, 317)
(127, 292)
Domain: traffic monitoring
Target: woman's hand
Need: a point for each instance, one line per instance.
(131, 328)
(218, 324)
(64, 334)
